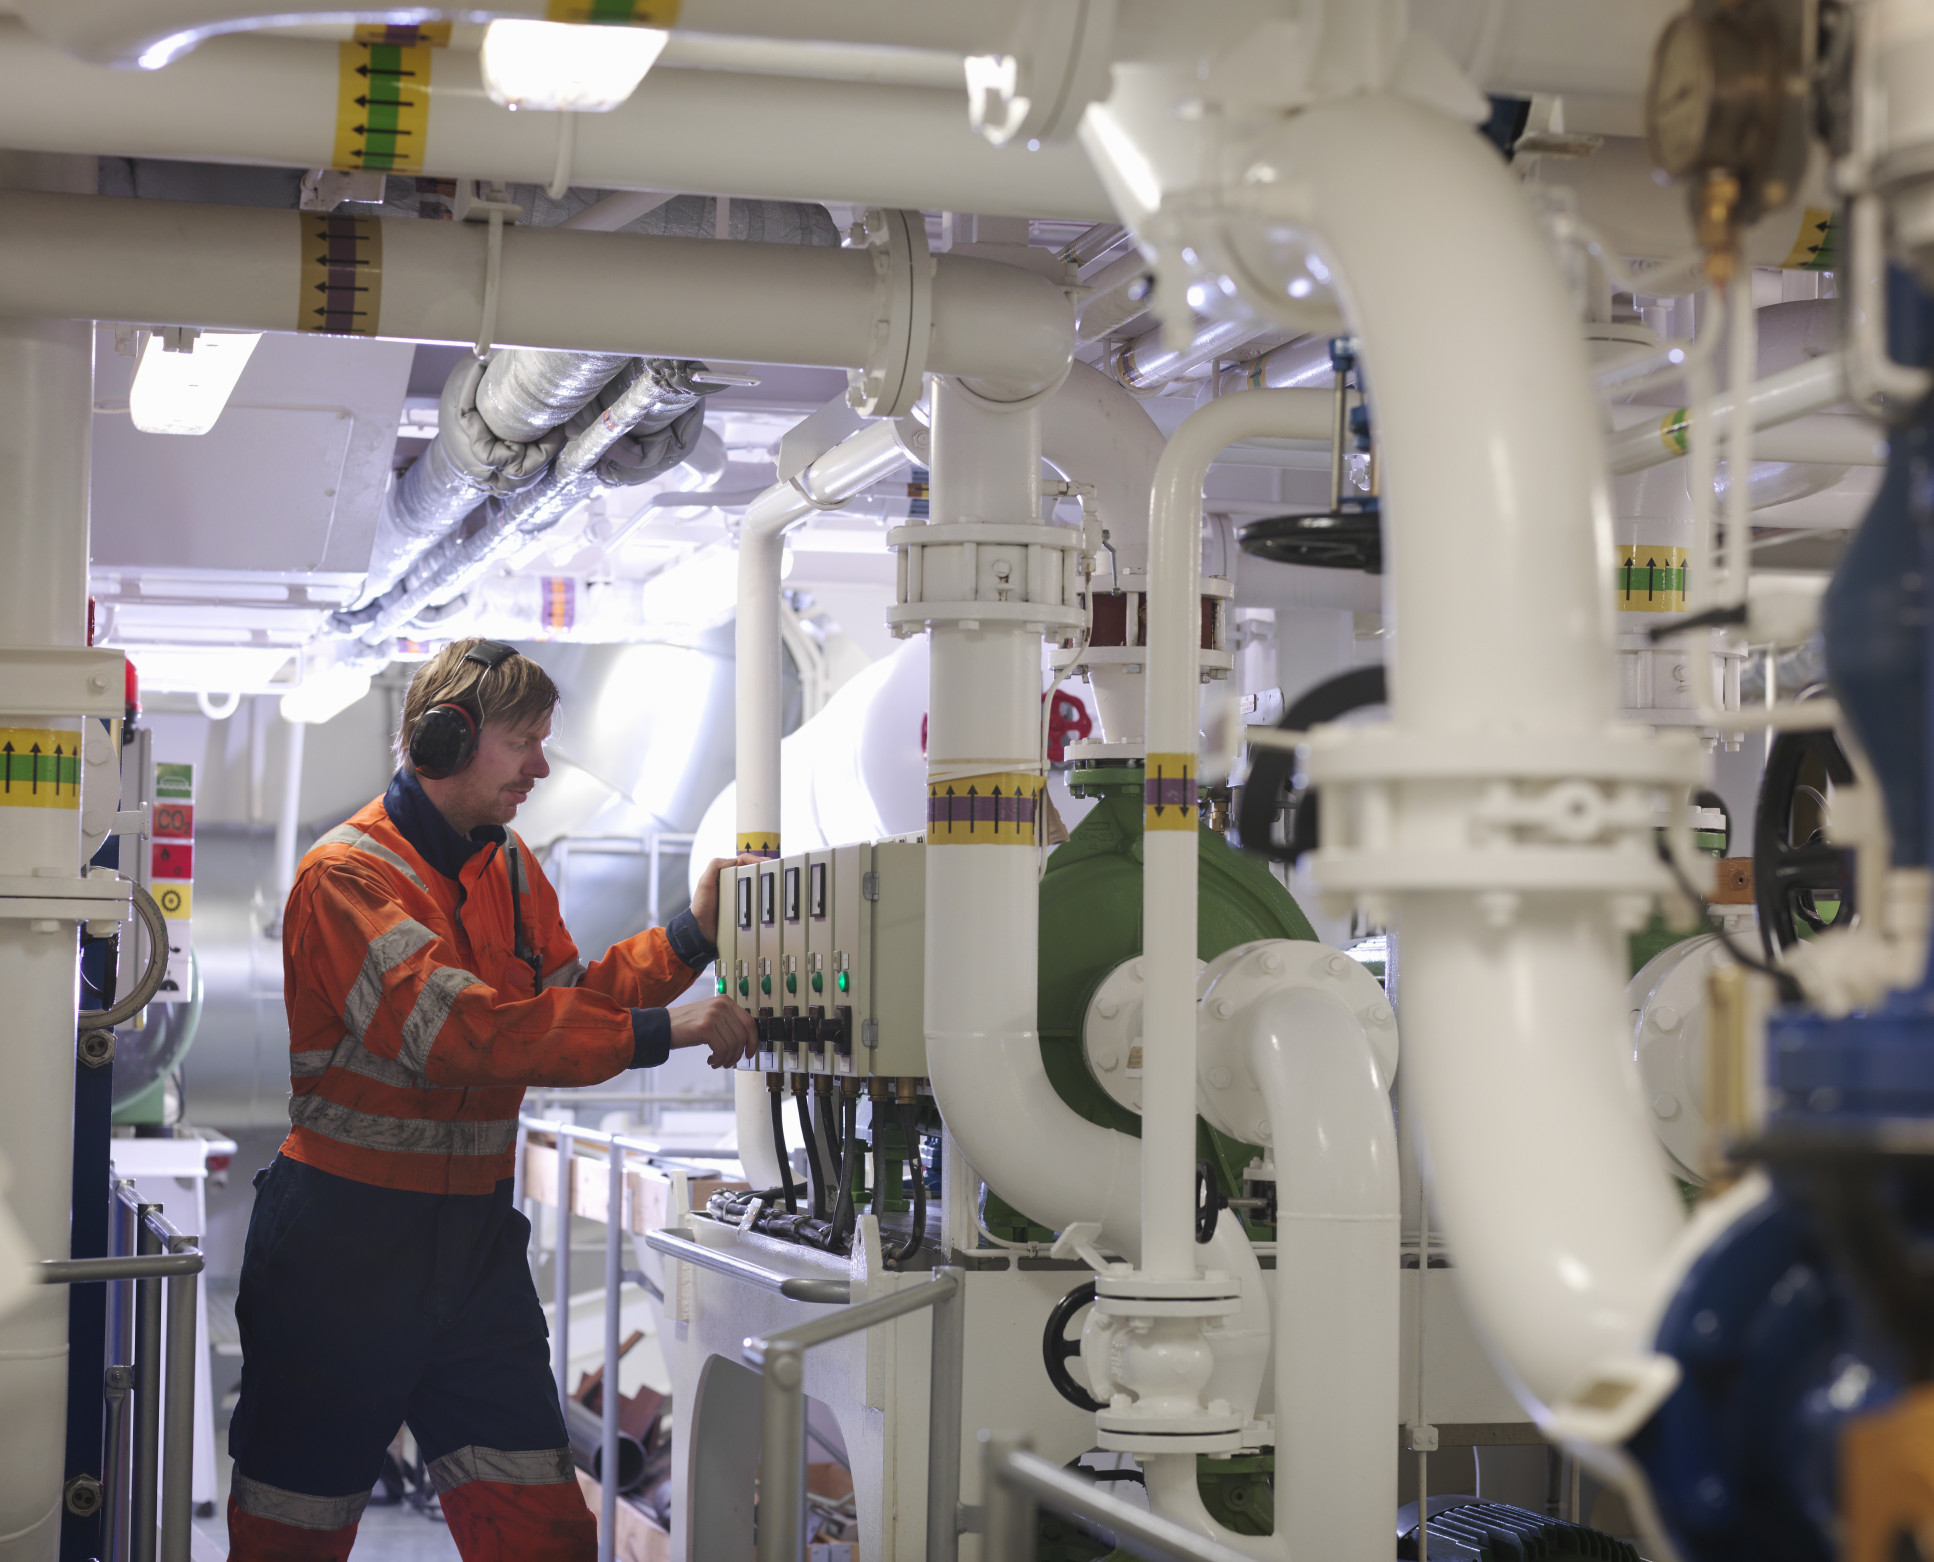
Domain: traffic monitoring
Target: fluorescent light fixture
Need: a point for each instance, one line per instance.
(325, 694)
(561, 65)
(182, 389)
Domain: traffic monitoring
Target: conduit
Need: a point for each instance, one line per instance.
(275, 101)
(239, 268)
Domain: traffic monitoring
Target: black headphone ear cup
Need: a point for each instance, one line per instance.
(443, 741)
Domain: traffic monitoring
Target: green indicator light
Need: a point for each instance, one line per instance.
(819, 981)
(721, 986)
(792, 982)
(745, 987)
(845, 981)
(765, 983)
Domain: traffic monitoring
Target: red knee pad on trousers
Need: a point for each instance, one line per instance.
(494, 1521)
(250, 1538)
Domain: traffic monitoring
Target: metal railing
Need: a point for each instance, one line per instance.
(687, 1249)
(162, 1471)
(1016, 1481)
(782, 1460)
(618, 1150)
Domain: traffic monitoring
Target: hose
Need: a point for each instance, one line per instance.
(151, 979)
(849, 1162)
(779, 1144)
(909, 1119)
(815, 1174)
(829, 1140)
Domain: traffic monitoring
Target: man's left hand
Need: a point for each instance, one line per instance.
(705, 898)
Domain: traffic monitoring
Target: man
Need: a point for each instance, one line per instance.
(385, 1279)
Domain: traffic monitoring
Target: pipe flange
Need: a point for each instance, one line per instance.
(1133, 1285)
(896, 361)
(1123, 1431)
(1667, 1002)
(1226, 1091)
(1038, 616)
(1111, 1031)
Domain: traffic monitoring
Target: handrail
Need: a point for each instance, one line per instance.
(782, 1465)
(681, 1245)
(1016, 1480)
(89, 1271)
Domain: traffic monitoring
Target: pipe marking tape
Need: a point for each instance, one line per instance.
(1672, 429)
(341, 287)
(39, 768)
(382, 105)
(1000, 809)
(1817, 246)
(759, 844)
(614, 13)
(1649, 579)
(1169, 797)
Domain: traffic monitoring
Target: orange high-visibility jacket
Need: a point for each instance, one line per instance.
(414, 1026)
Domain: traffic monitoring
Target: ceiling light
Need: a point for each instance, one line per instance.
(326, 694)
(184, 379)
(560, 65)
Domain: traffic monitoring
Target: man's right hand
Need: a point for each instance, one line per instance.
(718, 1024)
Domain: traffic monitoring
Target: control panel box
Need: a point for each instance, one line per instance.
(825, 950)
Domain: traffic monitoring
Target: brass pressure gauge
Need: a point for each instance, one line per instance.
(1725, 110)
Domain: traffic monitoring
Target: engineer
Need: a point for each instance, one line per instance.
(385, 1278)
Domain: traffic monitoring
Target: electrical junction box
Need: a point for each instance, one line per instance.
(826, 950)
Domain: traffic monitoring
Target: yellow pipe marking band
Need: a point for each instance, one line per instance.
(1816, 239)
(999, 809)
(1650, 580)
(614, 13)
(759, 845)
(39, 768)
(382, 106)
(1169, 794)
(341, 287)
(1672, 430)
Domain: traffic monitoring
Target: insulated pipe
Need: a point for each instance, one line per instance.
(1493, 492)
(1169, 818)
(1147, 362)
(243, 268)
(1338, 1287)
(46, 393)
(275, 101)
(1810, 386)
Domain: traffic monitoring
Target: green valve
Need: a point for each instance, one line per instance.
(765, 983)
(819, 981)
(745, 988)
(792, 982)
(845, 981)
(721, 987)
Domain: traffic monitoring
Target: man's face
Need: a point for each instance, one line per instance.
(509, 762)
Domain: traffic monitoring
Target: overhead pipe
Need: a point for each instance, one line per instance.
(243, 268)
(1147, 363)
(275, 101)
(659, 392)
(1809, 386)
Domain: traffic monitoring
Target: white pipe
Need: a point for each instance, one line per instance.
(1169, 841)
(1093, 431)
(274, 101)
(242, 268)
(1493, 493)
(1811, 386)
(46, 390)
(288, 818)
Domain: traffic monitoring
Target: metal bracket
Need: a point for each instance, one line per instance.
(870, 886)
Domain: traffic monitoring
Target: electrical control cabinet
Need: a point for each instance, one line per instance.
(825, 950)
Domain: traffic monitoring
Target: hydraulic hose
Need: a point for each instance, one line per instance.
(151, 979)
(849, 1162)
(814, 1172)
(779, 1145)
(909, 1119)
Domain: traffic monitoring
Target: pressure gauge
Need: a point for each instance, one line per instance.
(1717, 90)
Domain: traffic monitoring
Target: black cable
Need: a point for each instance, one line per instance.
(879, 1172)
(1789, 989)
(829, 1144)
(909, 1118)
(815, 1173)
(843, 1206)
(779, 1144)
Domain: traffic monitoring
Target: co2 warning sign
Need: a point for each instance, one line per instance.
(171, 865)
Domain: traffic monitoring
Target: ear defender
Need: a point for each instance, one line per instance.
(445, 741)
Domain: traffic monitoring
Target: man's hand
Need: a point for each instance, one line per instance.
(705, 899)
(717, 1023)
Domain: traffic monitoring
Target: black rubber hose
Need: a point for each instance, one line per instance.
(1270, 769)
(849, 1159)
(815, 1172)
(879, 1171)
(829, 1145)
(779, 1144)
(909, 1116)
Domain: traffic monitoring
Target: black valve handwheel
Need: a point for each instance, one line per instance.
(1794, 867)
(1057, 1348)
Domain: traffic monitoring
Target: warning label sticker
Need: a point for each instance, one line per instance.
(1169, 796)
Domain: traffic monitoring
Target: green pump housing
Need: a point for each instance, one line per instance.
(1091, 922)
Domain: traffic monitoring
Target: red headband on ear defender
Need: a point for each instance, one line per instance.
(444, 740)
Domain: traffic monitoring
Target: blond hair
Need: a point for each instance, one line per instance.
(516, 692)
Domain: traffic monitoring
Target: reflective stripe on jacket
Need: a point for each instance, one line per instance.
(413, 1026)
